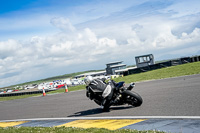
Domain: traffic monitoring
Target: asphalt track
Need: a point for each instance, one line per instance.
(170, 98)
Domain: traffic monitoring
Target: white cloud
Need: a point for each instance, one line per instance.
(183, 8)
(62, 49)
(86, 46)
(117, 36)
(63, 24)
(8, 47)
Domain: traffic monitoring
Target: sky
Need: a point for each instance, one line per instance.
(46, 38)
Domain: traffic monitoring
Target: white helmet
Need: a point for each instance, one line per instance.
(88, 80)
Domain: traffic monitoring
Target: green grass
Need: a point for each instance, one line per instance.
(67, 130)
(174, 71)
(40, 94)
(17, 97)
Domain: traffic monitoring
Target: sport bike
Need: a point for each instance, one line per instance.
(121, 95)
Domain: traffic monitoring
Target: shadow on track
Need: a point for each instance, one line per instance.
(97, 111)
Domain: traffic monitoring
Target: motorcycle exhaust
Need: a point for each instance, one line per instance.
(131, 86)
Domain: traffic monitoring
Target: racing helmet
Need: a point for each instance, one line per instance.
(88, 80)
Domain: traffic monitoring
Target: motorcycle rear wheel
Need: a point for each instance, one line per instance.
(133, 98)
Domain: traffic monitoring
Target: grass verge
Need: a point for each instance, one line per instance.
(68, 130)
(40, 94)
(168, 72)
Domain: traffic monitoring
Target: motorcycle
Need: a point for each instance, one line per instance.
(121, 95)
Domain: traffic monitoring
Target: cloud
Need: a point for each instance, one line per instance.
(63, 24)
(90, 45)
(61, 49)
(183, 8)
(8, 47)
(84, 46)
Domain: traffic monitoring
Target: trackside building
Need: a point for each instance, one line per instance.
(113, 66)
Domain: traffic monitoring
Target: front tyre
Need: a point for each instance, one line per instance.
(133, 98)
(106, 108)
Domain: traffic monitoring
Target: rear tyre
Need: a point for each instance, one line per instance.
(133, 98)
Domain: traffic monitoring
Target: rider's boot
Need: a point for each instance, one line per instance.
(103, 103)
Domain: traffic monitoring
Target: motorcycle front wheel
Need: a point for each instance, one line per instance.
(133, 98)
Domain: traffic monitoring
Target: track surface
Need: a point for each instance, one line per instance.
(166, 97)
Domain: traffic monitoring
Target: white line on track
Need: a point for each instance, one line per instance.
(110, 117)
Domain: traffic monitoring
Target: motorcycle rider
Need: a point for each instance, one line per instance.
(102, 86)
